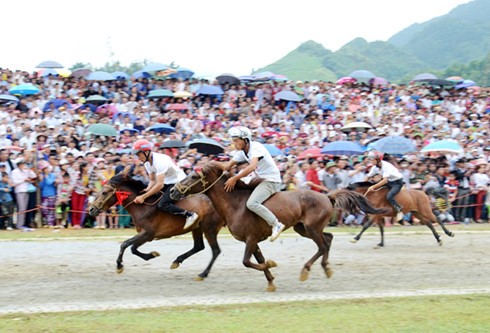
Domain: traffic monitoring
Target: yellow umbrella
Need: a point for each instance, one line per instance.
(182, 94)
(63, 72)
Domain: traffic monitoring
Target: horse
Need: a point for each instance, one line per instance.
(415, 201)
(308, 212)
(151, 223)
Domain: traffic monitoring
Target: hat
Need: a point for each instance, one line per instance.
(63, 162)
(343, 157)
(330, 164)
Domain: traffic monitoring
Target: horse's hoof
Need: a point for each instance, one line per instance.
(198, 278)
(304, 275)
(451, 234)
(271, 263)
(120, 270)
(439, 242)
(155, 254)
(329, 272)
(271, 288)
(353, 240)
(175, 265)
(378, 246)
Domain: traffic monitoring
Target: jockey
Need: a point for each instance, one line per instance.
(164, 174)
(392, 178)
(261, 162)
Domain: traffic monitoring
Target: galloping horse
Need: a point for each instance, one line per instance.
(151, 223)
(308, 212)
(414, 201)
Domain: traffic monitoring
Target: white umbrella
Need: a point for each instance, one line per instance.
(356, 124)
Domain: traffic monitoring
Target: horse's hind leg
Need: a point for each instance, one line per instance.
(328, 237)
(142, 234)
(428, 223)
(319, 239)
(198, 246)
(365, 226)
(251, 247)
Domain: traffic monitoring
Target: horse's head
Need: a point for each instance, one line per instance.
(104, 200)
(199, 181)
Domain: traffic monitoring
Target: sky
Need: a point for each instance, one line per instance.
(209, 37)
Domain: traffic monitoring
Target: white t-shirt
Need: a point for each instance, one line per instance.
(164, 164)
(387, 170)
(266, 167)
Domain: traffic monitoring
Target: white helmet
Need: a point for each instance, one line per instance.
(240, 132)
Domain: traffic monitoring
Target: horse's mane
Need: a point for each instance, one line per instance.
(357, 185)
(123, 179)
(215, 169)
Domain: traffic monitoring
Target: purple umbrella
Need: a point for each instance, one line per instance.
(378, 81)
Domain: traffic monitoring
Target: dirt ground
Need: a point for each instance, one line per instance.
(42, 276)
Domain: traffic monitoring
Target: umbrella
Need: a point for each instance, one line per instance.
(455, 79)
(378, 81)
(102, 129)
(50, 64)
(173, 144)
(228, 78)
(246, 78)
(120, 75)
(141, 75)
(177, 106)
(210, 90)
(424, 77)
(56, 103)
(273, 150)
(207, 146)
(446, 146)
(440, 82)
(362, 74)
(161, 128)
(338, 148)
(155, 67)
(346, 79)
(182, 73)
(288, 96)
(355, 124)
(130, 130)
(396, 145)
(310, 153)
(8, 98)
(81, 72)
(24, 89)
(158, 93)
(263, 76)
(465, 84)
(100, 76)
(270, 134)
(96, 99)
(182, 94)
(279, 77)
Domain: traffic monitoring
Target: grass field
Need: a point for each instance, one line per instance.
(449, 314)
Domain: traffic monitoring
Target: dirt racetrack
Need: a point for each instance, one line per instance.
(43, 276)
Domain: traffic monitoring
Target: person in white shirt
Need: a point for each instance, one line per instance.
(164, 173)
(261, 162)
(392, 178)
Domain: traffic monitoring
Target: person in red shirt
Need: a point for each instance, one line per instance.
(312, 178)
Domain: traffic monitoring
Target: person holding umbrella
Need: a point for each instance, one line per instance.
(164, 173)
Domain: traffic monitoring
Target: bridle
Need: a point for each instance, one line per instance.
(183, 189)
(113, 191)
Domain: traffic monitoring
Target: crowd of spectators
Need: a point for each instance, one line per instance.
(53, 166)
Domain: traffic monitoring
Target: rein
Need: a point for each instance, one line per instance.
(121, 196)
(183, 189)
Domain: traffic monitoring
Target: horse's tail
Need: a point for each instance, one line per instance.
(354, 203)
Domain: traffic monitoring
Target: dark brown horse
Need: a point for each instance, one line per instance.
(414, 201)
(308, 212)
(151, 223)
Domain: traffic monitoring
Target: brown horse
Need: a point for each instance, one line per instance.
(151, 223)
(414, 201)
(308, 212)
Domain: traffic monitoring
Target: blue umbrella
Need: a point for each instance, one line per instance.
(287, 95)
(465, 84)
(210, 90)
(207, 146)
(24, 89)
(8, 98)
(154, 67)
(56, 103)
(161, 128)
(49, 71)
(141, 75)
(49, 64)
(246, 78)
(396, 145)
(157, 93)
(444, 146)
(120, 75)
(342, 148)
(130, 130)
(92, 107)
(263, 76)
(182, 73)
(99, 76)
(362, 74)
(273, 150)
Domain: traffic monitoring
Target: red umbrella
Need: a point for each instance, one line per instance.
(177, 106)
(346, 79)
(270, 134)
(310, 153)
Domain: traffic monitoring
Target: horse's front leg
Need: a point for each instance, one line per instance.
(141, 239)
(252, 248)
(365, 226)
(126, 244)
(198, 246)
(212, 238)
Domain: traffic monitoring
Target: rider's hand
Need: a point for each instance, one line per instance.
(370, 189)
(139, 199)
(230, 184)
